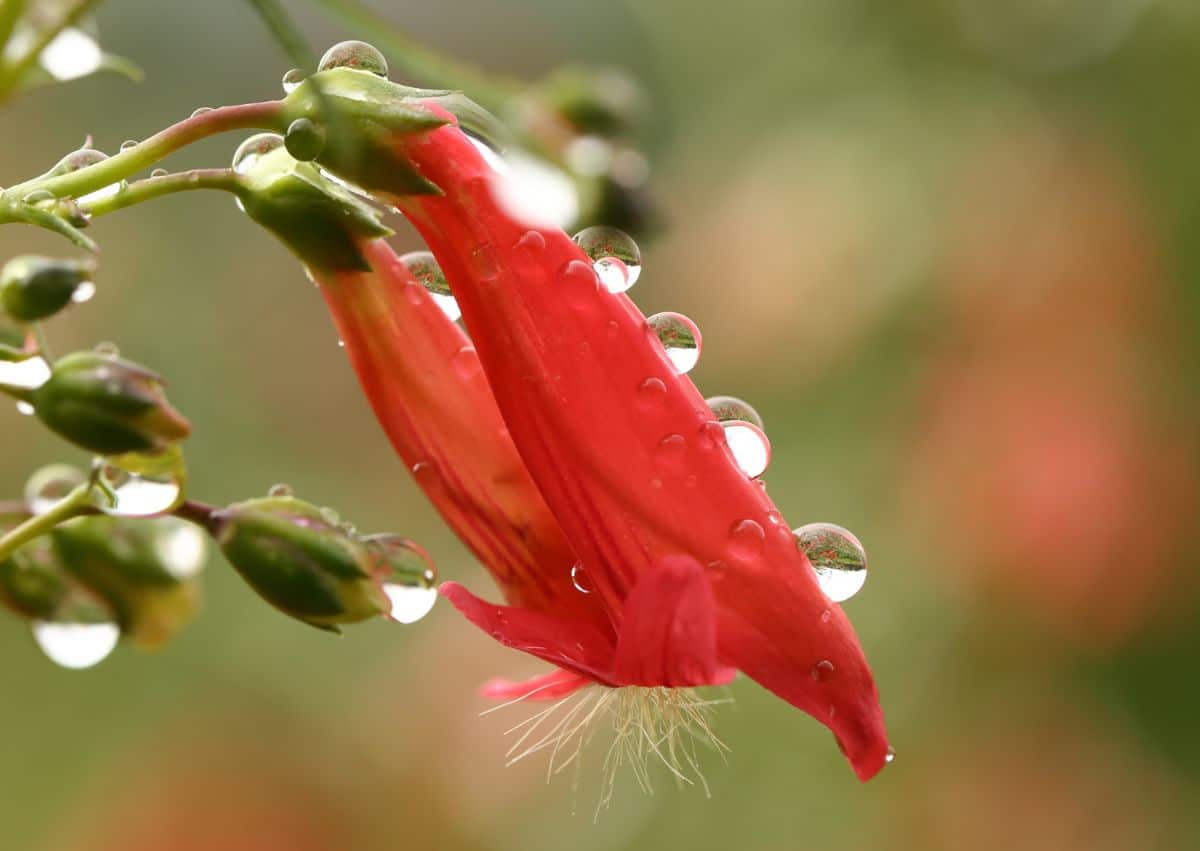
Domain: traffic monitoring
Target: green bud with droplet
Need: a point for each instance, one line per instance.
(301, 563)
(364, 114)
(108, 406)
(33, 288)
(305, 139)
(321, 222)
(135, 567)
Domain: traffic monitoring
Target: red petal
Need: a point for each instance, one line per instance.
(591, 402)
(668, 629)
(424, 382)
(569, 643)
(552, 686)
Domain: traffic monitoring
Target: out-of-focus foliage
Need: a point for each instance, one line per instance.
(946, 248)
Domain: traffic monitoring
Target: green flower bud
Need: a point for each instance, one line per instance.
(143, 569)
(300, 561)
(107, 405)
(363, 115)
(33, 287)
(605, 102)
(32, 582)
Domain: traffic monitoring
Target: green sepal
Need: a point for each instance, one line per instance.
(299, 561)
(321, 222)
(108, 406)
(34, 287)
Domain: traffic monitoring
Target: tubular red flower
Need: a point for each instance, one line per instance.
(694, 566)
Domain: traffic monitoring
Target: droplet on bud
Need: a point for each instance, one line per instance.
(49, 485)
(357, 55)
(107, 349)
(291, 79)
(726, 408)
(615, 254)
(142, 485)
(680, 339)
(84, 292)
(281, 489)
(305, 139)
(837, 558)
(407, 574)
(425, 269)
(76, 645)
(253, 149)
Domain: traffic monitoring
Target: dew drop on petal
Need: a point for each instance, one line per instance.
(181, 547)
(140, 494)
(466, 362)
(746, 540)
(425, 269)
(28, 374)
(407, 575)
(652, 391)
(581, 581)
(680, 339)
(672, 449)
(291, 79)
(726, 408)
(253, 149)
(357, 55)
(750, 447)
(837, 558)
(83, 292)
(605, 244)
(579, 283)
(822, 670)
(76, 645)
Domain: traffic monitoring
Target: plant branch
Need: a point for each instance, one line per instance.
(74, 504)
(168, 184)
(12, 72)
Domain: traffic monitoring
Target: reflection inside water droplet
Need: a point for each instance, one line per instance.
(616, 255)
(137, 494)
(425, 269)
(837, 558)
(407, 575)
(83, 292)
(750, 447)
(680, 339)
(76, 645)
(357, 55)
(253, 149)
(291, 79)
(726, 408)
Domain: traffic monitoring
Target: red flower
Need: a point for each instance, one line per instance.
(623, 478)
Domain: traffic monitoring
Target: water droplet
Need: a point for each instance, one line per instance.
(76, 645)
(726, 408)
(181, 547)
(680, 339)
(281, 490)
(291, 79)
(837, 558)
(82, 158)
(83, 292)
(341, 344)
(466, 362)
(672, 449)
(354, 54)
(305, 139)
(530, 245)
(581, 581)
(253, 149)
(750, 447)
(484, 262)
(579, 283)
(826, 616)
(107, 349)
(407, 574)
(128, 143)
(822, 670)
(604, 245)
(28, 374)
(138, 494)
(200, 110)
(331, 516)
(49, 485)
(746, 540)
(26, 409)
(890, 756)
(425, 269)
(159, 172)
(71, 54)
(652, 391)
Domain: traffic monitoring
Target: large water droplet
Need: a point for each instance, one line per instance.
(128, 143)
(354, 54)
(28, 374)
(837, 558)
(750, 447)
(305, 139)
(83, 292)
(76, 645)
(407, 574)
(291, 79)
(180, 546)
(581, 581)
(82, 158)
(253, 149)
(680, 339)
(71, 54)
(49, 485)
(280, 490)
(428, 273)
(140, 494)
(726, 408)
(746, 540)
(200, 110)
(617, 258)
(579, 283)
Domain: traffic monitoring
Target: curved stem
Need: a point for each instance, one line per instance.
(265, 115)
(74, 504)
(168, 184)
(12, 72)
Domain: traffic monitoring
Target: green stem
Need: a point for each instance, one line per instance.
(413, 58)
(12, 72)
(141, 156)
(43, 343)
(74, 504)
(13, 210)
(10, 13)
(168, 184)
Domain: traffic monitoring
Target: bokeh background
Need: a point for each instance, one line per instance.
(949, 249)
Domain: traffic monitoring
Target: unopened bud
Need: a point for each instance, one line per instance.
(33, 288)
(108, 406)
(300, 561)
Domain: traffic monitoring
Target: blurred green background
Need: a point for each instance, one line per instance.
(948, 248)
